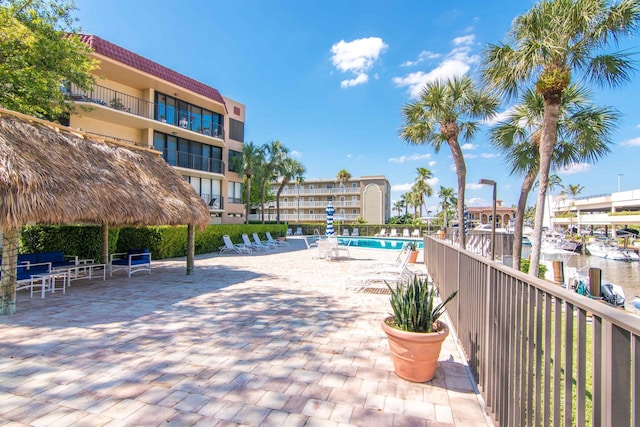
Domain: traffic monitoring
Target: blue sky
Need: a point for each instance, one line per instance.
(328, 79)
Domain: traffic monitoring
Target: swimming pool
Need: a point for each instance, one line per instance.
(377, 242)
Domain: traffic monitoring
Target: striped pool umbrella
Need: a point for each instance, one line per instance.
(329, 211)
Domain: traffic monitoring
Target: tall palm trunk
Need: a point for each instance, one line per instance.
(246, 217)
(547, 144)
(284, 182)
(527, 185)
(461, 170)
(10, 245)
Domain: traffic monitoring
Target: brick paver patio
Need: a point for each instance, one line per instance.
(270, 339)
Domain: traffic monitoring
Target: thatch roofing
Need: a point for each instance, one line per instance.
(52, 174)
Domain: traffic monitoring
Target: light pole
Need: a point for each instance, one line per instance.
(493, 218)
(619, 175)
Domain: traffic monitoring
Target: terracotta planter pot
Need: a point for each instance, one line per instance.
(415, 355)
(413, 256)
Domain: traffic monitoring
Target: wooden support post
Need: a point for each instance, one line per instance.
(558, 272)
(105, 244)
(595, 281)
(191, 249)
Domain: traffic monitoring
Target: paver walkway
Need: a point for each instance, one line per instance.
(271, 339)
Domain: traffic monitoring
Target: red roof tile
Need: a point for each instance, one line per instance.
(141, 63)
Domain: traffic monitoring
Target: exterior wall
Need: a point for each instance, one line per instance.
(121, 105)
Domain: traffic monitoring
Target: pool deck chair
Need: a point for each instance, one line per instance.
(258, 242)
(289, 232)
(132, 261)
(381, 233)
(345, 232)
(415, 233)
(229, 246)
(299, 231)
(405, 232)
(356, 232)
(246, 241)
(393, 233)
(274, 241)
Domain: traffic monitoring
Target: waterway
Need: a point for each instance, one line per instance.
(623, 273)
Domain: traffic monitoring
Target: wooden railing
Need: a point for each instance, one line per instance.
(542, 355)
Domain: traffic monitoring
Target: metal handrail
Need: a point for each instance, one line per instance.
(515, 328)
(193, 161)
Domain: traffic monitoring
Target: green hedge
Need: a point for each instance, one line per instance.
(163, 242)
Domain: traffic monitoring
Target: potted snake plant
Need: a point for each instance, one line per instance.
(415, 331)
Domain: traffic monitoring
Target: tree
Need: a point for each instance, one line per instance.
(274, 153)
(289, 170)
(548, 45)
(572, 190)
(448, 196)
(38, 57)
(252, 158)
(343, 176)
(444, 111)
(405, 202)
(584, 136)
(422, 187)
(399, 205)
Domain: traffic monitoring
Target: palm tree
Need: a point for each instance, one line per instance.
(572, 190)
(448, 196)
(399, 205)
(274, 153)
(547, 46)
(584, 136)
(444, 111)
(290, 170)
(422, 187)
(343, 176)
(405, 202)
(252, 158)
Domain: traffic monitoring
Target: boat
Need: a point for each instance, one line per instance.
(557, 240)
(604, 249)
(609, 292)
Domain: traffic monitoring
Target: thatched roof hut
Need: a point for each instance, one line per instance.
(48, 174)
(52, 174)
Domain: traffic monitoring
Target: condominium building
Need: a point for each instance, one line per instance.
(366, 197)
(196, 129)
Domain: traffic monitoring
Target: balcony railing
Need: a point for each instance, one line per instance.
(313, 191)
(193, 161)
(215, 201)
(319, 204)
(527, 344)
(141, 107)
(127, 141)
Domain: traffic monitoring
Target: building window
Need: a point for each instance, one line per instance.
(188, 116)
(234, 192)
(236, 130)
(310, 211)
(354, 185)
(235, 161)
(285, 200)
(329, 185)
(354, 198)
(188, 154)
(353, 211)
(329, 198)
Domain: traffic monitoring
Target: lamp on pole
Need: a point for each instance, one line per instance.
(493, 218)
(619, 175)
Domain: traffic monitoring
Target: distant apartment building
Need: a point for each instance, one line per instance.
(197, 130)
(366, 197)
(483, 214)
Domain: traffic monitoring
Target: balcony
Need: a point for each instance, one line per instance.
(215, 202)
(319, 204)
(314, 191)
(112, 99)
(193, 161)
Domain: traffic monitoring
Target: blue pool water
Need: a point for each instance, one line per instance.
(377, 242)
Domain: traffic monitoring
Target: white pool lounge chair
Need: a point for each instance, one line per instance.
(356, 232)
(381, 233)
(415, 232)
(229, 246)
(299, 231)
(405, 232)
(393, 233)
(258, 242)
(247, 242)
(313, 246)
(379, 281)
(276, 242)
(289, 232)
(345, 232)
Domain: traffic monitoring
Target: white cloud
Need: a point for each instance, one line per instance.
(362, 78)
(464, 40)
(357, 57)
(470, 156)
(412, 157)
(422, 56)
(489, 155)
(469, 146)
(456, 63)
(296, 154)
(452, 167)
(401, 187)
(498, 118)
(433, 182)
(474, 186)
(476, 201)
(349, 156)
(575, 168)
(633, 142)
(432, 163)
